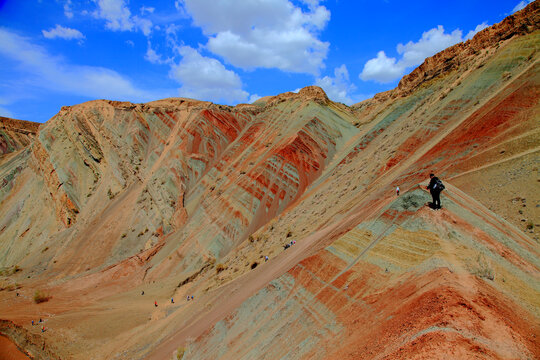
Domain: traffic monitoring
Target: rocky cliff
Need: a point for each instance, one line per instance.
(15, 134)
(116, 205)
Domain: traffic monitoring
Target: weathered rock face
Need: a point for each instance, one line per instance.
(179, 197)
(15, 134)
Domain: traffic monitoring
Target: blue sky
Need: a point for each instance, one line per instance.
(63, 52)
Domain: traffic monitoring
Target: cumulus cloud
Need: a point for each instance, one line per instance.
(118, 17)
(116, 13)
(432, 41)
(205, 78)
(39, 68)
(338, 88)
(63, 33)
(522, 4)
(384, 69)
(263, 34)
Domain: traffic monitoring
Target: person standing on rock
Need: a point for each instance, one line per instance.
(397, 190)
(435, 187)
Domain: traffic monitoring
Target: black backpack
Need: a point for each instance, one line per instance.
(439, 186)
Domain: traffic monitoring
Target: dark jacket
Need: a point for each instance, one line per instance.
(432, 183)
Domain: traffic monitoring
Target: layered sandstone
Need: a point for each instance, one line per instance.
(15, 134)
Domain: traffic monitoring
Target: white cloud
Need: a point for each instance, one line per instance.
(116, 13)
(522, 4)
(311, 3)
(381, 69)
(384, 69)
(63, 33)
(130, 43)
(68, 11)
(253, 98)
(205, 78)
(263, 33)
(476, 30)
(144, 24)
(153, 57)
(39, 68)
(432, 41)
(338, 88)
(118, 17)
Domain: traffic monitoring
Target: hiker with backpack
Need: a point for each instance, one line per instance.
(435, 187)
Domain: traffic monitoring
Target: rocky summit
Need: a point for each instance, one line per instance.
(185, 229)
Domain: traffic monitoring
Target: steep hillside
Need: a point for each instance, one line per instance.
(116, 205)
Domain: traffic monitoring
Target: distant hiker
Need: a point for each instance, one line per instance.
(191, 297)
(266, 258)
(435, 187)
(40, 320)
(188, 298)
(17, 294)
(286, 246)
(294, 242)
(32, 322)
(172, 300)
(155, 303)
(142, 292)
(43, 329)
(397, 191)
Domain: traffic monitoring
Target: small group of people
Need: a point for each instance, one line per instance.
(189, 297)
(39, 322)
(288, 245)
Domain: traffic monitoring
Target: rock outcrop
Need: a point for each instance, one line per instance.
(15, 134)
